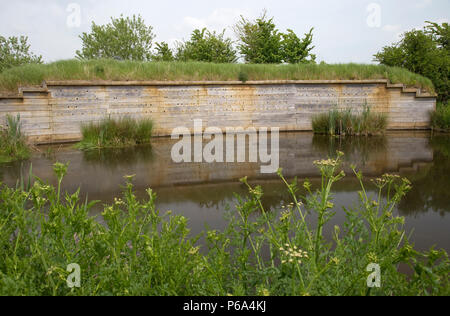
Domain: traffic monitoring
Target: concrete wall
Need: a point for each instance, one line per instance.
(55, 111)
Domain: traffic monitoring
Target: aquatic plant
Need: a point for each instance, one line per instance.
(116, 133)
(345, 122)
(13, 144)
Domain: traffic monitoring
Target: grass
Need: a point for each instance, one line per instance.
(13, 145)
(440, 119)
(34, 74)
(140, 251)
(345, 122)
(115, 133)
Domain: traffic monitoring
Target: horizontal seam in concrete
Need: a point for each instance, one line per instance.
(205, 83)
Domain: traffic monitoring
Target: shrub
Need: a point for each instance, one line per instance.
(440, 119)
(123, 39)
(15, 51)
(426, 52)
(206, 46)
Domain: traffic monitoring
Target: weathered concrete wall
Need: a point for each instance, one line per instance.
(54, 112)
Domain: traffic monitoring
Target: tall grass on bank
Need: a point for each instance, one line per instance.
(34, 74)
(13, 144)
(140, 251)
(116, 133)
(440, 119)
(345, 122)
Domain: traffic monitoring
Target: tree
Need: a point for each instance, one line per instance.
(207, 46)
(123, 39)
(296, 50)
(260, 41)
(163, 52)
(15, 51)
(439, 33)
(424, 52)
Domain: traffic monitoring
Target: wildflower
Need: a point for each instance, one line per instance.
(193, 250)
(118, 201)
(372, 257)
(335, 260)
(265, 292)
(293, 254)
(326, 163)
(285, 215)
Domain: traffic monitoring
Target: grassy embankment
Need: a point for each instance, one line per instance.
(13, 144)
(116, 133)
(34, 74)
(138, 251)
(345, 122)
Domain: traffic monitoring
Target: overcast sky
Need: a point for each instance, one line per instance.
(345, 30)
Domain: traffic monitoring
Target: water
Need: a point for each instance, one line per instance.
(203, 192)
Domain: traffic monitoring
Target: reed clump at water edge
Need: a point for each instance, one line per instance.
(346, 122)
(116, 133)
(13, 143)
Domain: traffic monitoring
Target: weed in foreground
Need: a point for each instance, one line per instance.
(138, 251)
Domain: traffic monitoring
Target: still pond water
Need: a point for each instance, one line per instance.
(203, 192)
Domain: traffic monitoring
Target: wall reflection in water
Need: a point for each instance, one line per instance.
(202, 191)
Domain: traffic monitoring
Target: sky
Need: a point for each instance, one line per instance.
(344, 30)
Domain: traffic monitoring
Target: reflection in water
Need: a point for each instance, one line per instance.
(113, 158)
(355, 148)
(202, 192)
(431, 190)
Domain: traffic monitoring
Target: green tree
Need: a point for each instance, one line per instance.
(163, 52)
(296, 50)
(439, 33)
(424, 52)
(207, 46)
(15, 51)
(123, 39)
(260, 41)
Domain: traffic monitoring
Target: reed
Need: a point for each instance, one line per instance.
(345, 122)
(116, 133)
(13, 144)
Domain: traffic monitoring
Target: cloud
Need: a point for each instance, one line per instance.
(423, 4)
(392, 28)
(218, 20)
